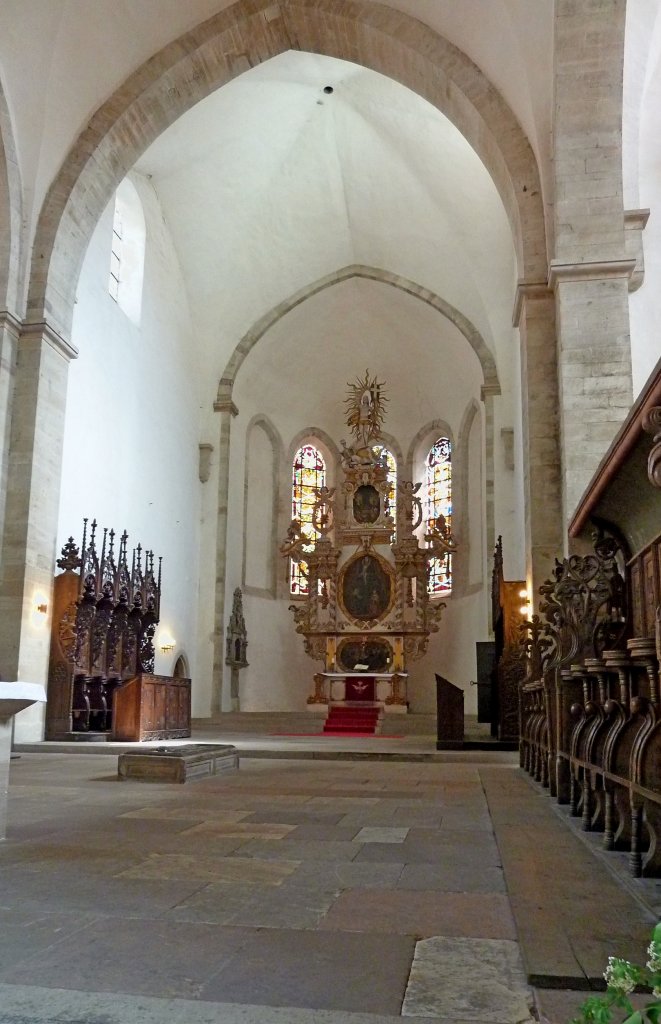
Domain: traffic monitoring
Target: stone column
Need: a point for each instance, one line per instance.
(10, 329)
(487, 393)
(591, 269)
(32, 506)
(227, 409)
(542, 475)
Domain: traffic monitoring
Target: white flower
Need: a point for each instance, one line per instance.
(620, 975)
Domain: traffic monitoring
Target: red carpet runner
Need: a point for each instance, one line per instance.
(356, 721)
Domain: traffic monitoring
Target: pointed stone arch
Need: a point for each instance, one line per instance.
(264, 424)
(266, 322)
(11, 206)
(221, 48)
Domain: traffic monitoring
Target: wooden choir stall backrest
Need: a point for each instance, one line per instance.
(508, 600)
(591, 711)
(105, 614)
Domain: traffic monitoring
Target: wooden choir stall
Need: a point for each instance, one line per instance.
(100, 679)
(591, 701)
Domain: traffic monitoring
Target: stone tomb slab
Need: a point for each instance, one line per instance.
(468, 980)
(178, 764)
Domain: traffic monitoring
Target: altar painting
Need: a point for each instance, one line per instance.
(376, 653)
(366, 588)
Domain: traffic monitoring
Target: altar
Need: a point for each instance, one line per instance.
(382, 689)
(365, 610)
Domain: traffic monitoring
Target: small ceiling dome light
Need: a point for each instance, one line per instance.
(328, 89)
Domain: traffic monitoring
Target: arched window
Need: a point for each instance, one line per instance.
(309, 473)
(380, 451)
(127, 253)
(438, 502)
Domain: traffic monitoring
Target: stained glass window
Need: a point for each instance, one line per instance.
(309, 473)
(380, 451)
(438, 502)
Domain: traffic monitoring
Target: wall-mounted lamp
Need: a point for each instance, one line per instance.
(166, 642)
(39, 609)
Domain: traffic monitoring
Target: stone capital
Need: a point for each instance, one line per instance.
(10, 323)
(636, 219)
(598, 270)
(224, 401)
(43, 330)
(526, 291)
(489, 391)
(225, 405)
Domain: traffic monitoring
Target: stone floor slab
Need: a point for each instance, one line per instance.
(455, 877)
(187, 813)
(240, 830)
(317, 970)
(24, 934)
(429, 851)
(138, 956)
(318, 832)
(372, 834)
(298, 817)
(289, 849)
(421, 914)
(338, 875)
(468, 979)
(23, 1004)
(212, 869)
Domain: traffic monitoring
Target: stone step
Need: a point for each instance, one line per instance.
(304, 722)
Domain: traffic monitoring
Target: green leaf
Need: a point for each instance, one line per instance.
(635, 1018)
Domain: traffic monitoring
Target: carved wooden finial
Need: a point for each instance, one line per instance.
(70, 558)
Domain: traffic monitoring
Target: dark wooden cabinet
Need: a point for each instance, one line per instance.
(150, 707)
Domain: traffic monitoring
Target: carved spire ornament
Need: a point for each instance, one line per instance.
(652, 425)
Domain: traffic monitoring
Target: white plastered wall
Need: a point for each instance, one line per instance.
(131, 433)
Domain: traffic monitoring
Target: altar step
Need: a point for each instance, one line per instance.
(343, 720)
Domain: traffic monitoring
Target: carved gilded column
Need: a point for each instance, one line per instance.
(32, 506)
(226, 409)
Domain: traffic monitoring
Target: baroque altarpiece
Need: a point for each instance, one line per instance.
(367, 611)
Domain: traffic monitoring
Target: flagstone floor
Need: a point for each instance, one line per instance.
(343, 892)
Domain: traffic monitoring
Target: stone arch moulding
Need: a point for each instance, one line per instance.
(332, 452)
(247, 33)
(461, 583)
(270, 319)
(11, 215)
(181, 662)
(430, 432)
(261, 422)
